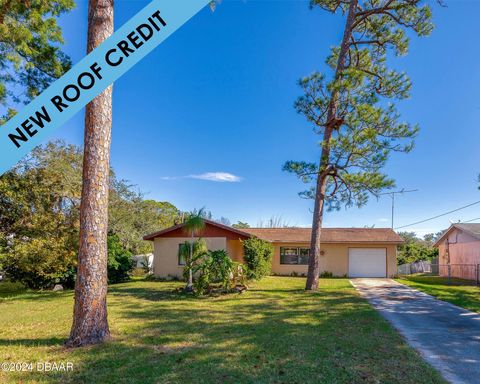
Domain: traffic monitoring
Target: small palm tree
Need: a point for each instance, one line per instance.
(194, 223)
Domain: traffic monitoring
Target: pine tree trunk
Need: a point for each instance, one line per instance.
(90, 324)
(322, 178)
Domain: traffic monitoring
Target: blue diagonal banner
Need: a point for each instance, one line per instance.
(87, 79)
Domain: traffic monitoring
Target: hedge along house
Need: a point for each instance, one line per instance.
(354, 252)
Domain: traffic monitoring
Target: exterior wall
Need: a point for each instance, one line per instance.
(165, 262)
(334, 260)
(235, 250)
(462, 249)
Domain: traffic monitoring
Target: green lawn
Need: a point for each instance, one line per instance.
(274, 333)
(460, 292)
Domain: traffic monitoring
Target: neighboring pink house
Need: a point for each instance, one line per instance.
(459, 251)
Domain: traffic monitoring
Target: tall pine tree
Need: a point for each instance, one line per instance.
(90, 324)
(353, 110)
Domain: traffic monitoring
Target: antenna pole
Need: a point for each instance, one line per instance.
(392, 195)
(393, 207)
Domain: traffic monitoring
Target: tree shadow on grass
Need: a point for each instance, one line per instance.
(48, 341)
(266, 336)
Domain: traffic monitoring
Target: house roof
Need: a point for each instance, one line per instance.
(329, 235)
(473, 229)
(298, 235)
(210, 223)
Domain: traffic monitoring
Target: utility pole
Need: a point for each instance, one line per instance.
(392, 195)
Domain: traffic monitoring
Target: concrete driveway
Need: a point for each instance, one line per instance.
(447, 336)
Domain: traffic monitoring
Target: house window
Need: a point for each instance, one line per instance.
(181, 258)
(296, 256)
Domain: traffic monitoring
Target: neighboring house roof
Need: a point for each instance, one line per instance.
(329, 235)
(473, 229)
(295, 235)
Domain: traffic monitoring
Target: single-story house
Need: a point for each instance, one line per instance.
(354, 252)
(459, 250)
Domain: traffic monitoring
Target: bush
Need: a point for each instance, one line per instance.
(326, 274)
(39, 263)
(258, 257)
(120, 261)
(216, 267)
(198, 251)
(42, 263)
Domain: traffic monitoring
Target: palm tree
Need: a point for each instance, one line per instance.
(90, 324)
(194, 223)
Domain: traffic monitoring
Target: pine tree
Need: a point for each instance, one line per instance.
(90, 324)
(353, 111)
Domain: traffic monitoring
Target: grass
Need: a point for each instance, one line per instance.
(459, 292)
(274, 333)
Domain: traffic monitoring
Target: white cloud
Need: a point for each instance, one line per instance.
(384, 220)
(221, 177)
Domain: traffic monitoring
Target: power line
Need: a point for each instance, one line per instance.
(469, 221)
(442, 214)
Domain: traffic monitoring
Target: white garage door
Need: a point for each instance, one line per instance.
(367, 262)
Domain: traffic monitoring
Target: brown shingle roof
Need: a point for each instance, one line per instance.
(302, 235)
(329, 235)
(165, 231)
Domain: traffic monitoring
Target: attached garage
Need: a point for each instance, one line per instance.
(367, 262)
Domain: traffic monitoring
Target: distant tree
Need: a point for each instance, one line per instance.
(224, 221)
(39, 216)
(30, 49)
(415, 249)
(240, 225)
(358, 128)
(163, 213)
(409, 237)
(274, 222)
(39, 200)
(131, 217)
(431, 238)
(44, 190)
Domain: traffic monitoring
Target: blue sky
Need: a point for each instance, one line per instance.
(218, 96)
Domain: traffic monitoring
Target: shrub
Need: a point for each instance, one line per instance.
(216, 267)
(198, 250)
(326, 274)
(120, 262)
(42, 263)
(258, 257)
(39, 263)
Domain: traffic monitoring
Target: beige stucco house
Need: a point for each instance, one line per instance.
(459, 251)
(354, 252)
